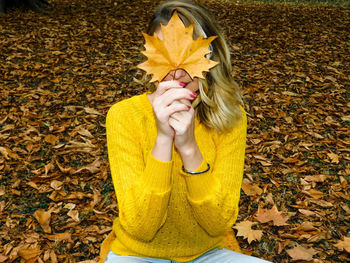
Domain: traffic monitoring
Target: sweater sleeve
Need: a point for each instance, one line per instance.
(142, 187)
(214, 195)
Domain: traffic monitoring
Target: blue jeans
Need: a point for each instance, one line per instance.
(213, 256)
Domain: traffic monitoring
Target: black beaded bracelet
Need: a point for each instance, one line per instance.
(201, 172)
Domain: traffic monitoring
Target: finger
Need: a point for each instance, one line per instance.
(179, 128)
(185, 101)
(177, 94)
(166, 85)
(177, 115)
(173, 108)
(182, 101)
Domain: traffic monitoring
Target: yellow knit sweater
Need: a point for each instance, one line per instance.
(163, 212)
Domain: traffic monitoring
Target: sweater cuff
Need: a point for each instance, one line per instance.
(157, 175)
(200, 186)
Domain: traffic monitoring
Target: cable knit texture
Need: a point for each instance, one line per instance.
(164, 212)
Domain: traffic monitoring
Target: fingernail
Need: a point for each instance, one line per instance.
(193, 94)
(188, 106)
(182, 84)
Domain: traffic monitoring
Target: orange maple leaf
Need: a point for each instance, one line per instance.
(176, 50)
(245, 230)
(265, 215)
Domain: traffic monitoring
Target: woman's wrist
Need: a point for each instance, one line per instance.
(191, 157)
(162, 149)
(167, 141)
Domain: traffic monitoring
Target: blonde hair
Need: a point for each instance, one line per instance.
(219, 95)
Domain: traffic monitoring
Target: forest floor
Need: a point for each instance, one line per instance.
(60, 72)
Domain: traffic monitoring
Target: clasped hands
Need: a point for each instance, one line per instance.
(175, 115)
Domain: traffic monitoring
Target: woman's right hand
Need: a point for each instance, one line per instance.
(170, 97)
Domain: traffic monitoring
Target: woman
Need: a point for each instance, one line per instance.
(176, 156)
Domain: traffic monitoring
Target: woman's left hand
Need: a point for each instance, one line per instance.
(183, 124)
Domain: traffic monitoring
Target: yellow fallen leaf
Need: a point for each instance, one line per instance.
(177, 50)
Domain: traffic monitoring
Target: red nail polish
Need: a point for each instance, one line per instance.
(188, 106)
(193, 94)
(182, 84)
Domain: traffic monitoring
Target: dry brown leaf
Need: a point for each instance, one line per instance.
(97, 197)
(269, 199)
(92, 111)
(346, 208)
(307, 226)
(301, 253)
(66, 236)
(5, 152)
(255, 141)
(2, 206)
(343, 245)
(265, 215)
(2, 190)
(308, 212)
(346, 118)
(69, 170)
(315, 134)
(250, 189)
(322, 203)
(53, 256)
(317, 237)
(245, 230)
(29, 253)
(74, 214)
(316, 178)
(92, 167)
(282, 245)
(3, 258)
(176, 50)
(334, 157)
(314, 193)
(50, 138)
(70, 206)
(43, 218)
(85, 132)
(57, 185)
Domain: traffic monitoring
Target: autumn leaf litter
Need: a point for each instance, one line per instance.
(60, 73)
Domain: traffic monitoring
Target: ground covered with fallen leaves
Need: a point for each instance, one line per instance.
(60, 72)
